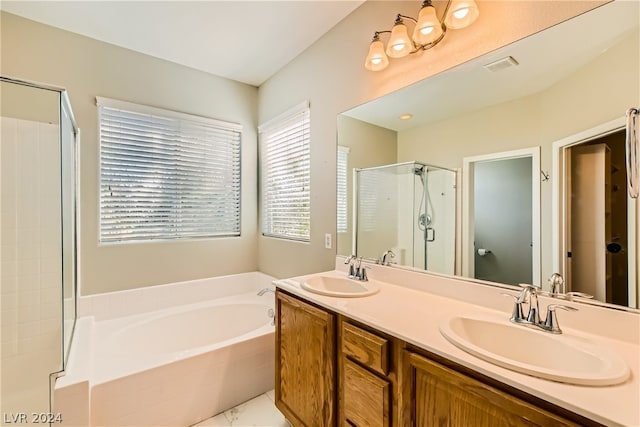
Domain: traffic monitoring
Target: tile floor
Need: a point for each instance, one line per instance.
(258, 412)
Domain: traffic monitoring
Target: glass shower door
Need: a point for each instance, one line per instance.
(410, 209)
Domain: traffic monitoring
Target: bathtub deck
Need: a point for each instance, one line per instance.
(260, 411)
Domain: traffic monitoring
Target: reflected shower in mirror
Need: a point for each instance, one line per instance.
(556, 89)
(406, 211)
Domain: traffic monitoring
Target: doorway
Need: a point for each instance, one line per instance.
(501, 221)
(596, 200)
(594, 217)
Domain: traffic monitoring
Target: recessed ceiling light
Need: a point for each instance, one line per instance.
(406, 117)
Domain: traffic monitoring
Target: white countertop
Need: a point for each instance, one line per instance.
(413, 315)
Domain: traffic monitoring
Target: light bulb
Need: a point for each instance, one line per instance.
(399, 43)
(428, 28)
(376, 58)
(461, 14)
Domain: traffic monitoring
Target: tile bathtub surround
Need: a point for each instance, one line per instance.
(260, 412)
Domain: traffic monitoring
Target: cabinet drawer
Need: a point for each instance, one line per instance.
(366, 397)
(366, 348)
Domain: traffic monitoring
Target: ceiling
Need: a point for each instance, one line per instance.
(247, 41)
(544, 58)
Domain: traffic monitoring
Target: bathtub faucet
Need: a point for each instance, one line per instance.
(265, 290)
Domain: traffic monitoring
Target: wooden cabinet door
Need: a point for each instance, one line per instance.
(305, 359)
(366, 397)
(443, 397)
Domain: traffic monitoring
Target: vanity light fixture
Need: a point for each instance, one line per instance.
(428, 31)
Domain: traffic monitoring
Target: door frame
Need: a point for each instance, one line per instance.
(468, 250)
(559, 203)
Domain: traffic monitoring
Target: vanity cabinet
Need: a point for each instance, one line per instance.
(441, 396)
(366, 377)
(332, 370)
(305, 362)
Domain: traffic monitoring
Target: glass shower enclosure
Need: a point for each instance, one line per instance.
(410, 209)
(38, 240)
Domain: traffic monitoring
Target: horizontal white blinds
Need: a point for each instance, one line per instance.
(341, 190)
(286, 169)
(167, 177)
(371, 207)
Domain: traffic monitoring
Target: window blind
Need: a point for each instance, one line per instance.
(166, 175)
(286, 170)
(370, 210)
(341, 191)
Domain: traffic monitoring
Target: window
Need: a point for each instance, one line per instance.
(342, 190)
(371, 207)
(286, 169)
(166, 175)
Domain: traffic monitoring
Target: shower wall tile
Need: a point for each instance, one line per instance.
(31, 254)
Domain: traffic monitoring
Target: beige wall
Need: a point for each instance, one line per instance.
(570, 106)
(331, 75)
(89, 68)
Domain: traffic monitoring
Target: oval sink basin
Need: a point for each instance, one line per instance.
(537, 353)
(339, 287)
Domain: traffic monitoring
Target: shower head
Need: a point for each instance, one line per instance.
(418, 170)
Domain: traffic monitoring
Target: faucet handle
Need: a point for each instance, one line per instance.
(363, 273)
(517, 315)
(551, 322)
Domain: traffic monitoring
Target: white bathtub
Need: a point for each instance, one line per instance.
(171, 365)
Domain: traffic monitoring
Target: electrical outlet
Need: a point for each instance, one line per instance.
(327, 241)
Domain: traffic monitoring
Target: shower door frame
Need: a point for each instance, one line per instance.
(63, 102)
(355, 204)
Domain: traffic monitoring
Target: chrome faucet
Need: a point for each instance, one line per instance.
(533, 317)
(557, 289)
(352, 271)
(529, 294)
(556, 284)
(359, 272)
(264, 291)
(384, 260)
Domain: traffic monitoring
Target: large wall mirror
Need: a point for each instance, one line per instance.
(534, 132)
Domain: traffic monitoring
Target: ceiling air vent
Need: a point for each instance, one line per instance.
(501, 64)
